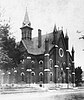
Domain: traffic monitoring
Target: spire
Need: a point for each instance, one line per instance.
(55, 29)
(72, 49)
(26, 21)
(72, 53)
(26, 28)
(66, 41)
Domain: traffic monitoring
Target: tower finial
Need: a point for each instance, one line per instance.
(55, 29)
(72, 53)
(26, 21)
(72, 48)
(66, 31)
(26, 8)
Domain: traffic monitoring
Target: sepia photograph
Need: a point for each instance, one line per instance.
(41, 49)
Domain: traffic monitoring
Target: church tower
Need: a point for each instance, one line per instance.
(54, 35)
(26, 28)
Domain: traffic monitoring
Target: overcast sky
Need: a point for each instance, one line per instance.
(44, 14)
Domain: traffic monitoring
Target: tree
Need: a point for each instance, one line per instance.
(10, 54)
(78, 76)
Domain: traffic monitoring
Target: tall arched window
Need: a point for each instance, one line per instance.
(41, 76)
(23, 76)
(51, 76)
(41, 63)
(33, 63)
(51, 63)
(33, 76)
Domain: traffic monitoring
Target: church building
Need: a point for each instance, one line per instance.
(46, 58)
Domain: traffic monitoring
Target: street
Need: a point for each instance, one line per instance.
(66, 94)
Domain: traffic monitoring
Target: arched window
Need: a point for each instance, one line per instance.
(33, 62)
(33, 73)
(41, 73)
(51, 63)
(41, 76)
(51, 76)
(23, 76)
(33, 76)
(40, 63)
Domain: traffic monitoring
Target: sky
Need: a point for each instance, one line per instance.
(44, 14)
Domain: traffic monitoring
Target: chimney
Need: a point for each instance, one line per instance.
(39, 38)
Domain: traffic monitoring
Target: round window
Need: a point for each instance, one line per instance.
(61, 52)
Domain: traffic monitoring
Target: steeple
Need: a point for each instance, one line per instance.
(66, 40)
(55, 29)
(66, 36)
(72, 49)
(54, 34)
(26, 21)
(26, 28)
(72, 53)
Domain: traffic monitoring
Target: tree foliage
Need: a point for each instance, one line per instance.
(78, 76)
(9, 50)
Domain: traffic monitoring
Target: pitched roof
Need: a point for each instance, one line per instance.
(32, 46)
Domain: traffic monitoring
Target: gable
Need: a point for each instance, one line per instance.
(61, 49)
(61, 42)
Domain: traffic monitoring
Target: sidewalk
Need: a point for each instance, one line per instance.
(21, 89)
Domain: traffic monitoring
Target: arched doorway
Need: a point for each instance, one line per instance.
(22, 76)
